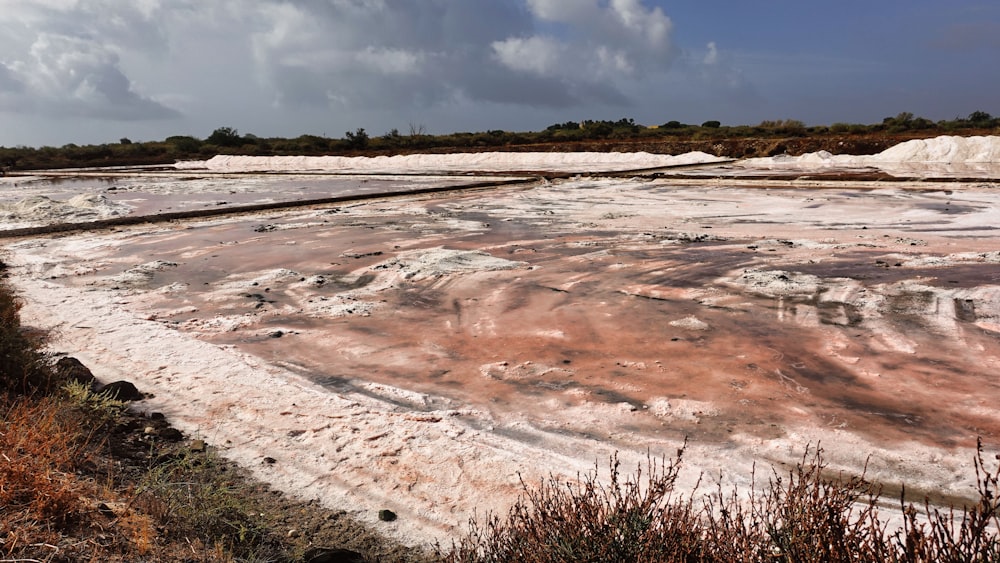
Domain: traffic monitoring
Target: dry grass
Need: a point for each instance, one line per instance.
(799, 517)
(52, 508)
(63, 499)
(81, 480)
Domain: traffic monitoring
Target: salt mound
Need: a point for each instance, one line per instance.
(423, 264)
(690, 323)
(431, 263)
(941, 156)
(83, 207)
(943, 149)
(429, 163)
(141, 275)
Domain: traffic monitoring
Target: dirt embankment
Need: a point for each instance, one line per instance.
(747, 147)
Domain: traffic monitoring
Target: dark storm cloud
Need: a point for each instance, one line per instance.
(420, 52)
(63, 59)
(289, 65)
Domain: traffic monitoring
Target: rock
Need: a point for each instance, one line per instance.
(386, 515)
(122, 390)
(332, 555)
(72, 369)
(171, 434)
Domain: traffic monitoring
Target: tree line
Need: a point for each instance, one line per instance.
(228, 140)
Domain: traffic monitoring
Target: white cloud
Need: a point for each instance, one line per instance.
(539, 55)
(563, 10)
(711, 54)
(595, 51)
(97, 57)
(718, 75)
(274, 61)
(392, 61)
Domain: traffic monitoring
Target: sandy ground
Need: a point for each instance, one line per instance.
(424, 354)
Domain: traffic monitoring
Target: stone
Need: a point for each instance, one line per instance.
(72, 369)
(171, 434)
(332, 555)
(386, 515)
(122, 390)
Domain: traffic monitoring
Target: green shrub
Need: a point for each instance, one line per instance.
(183, 144)
(225, 137)
(195, 499)
(357, 139)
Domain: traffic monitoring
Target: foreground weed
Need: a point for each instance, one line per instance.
(936, 534)
(41, 446)
(198, 496)
(637, 518)
(802, 516)
(97, 408)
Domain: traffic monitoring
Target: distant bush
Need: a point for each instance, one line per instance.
(577, 135)
(357, 139)
(183, 144)
(225, 137)
(980, 118)
(784, 126)
(569, 125)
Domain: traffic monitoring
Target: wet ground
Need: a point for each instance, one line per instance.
(629, 313)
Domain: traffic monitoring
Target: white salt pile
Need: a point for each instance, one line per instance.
(943, 149)
(941, 156)
(36, 210)
(944, 155)
(429, 163)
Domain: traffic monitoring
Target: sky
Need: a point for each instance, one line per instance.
(95, 71)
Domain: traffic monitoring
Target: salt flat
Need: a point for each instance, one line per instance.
(425, 353)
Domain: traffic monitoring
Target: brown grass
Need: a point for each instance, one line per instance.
(48, 490)
(799, 517)
(63, 499)
(80, 480)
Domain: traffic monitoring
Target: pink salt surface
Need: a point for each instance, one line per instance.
(163, 192)
(420, 354)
